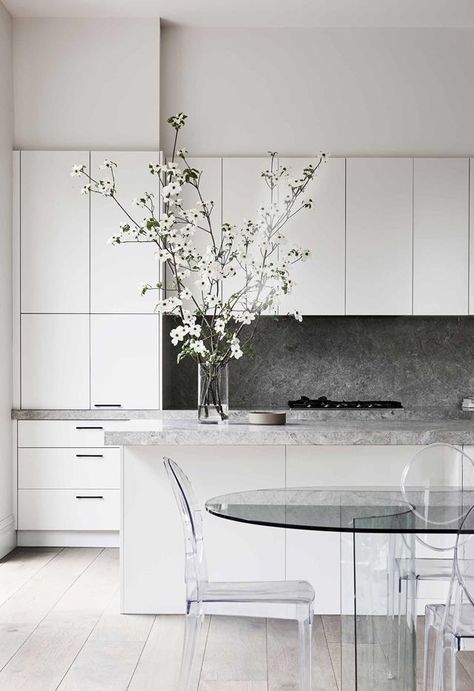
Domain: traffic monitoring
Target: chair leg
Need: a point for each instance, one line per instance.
(192, 633)
(304, 653)
(426, 648)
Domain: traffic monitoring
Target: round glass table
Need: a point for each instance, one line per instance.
(377, 528)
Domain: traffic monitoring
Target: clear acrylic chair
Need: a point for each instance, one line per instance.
(431, 470)
(270, 599)
(453, 622)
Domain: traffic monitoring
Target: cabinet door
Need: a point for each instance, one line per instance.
(319, 281)
(211, 190)
(441, 236)
(244, 191)
(117, 271)
(124, 361)
(379, 236)
(54, 233)
(235, 551)
(55, 361)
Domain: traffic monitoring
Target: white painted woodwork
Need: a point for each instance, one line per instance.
(319, 281)
(441, 235)
(55, 361)
(117, 271)
(125, 360)
(60, 433)
(60, 509)
(68, 538)
(68, 468)
(379, 236)
(16, 284)
(211, 190)
(150, 517)
(54, 233)
(244, 191)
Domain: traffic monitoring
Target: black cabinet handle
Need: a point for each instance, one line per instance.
(107, 405)
(89, 455)
(89, 496)
(88, 427)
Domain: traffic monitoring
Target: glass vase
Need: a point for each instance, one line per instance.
(213, 393)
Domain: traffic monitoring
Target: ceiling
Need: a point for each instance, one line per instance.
(263, 13)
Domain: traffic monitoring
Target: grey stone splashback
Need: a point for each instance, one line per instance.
(425, 362)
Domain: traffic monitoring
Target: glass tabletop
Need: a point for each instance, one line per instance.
(359, 510)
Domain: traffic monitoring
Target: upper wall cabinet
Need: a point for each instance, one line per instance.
(441, 235)
(118, 270)
(243, 192)
(379, 236)
(125, 361)
(320, 281)
(55, 361)
(54, 228)
(211, 191)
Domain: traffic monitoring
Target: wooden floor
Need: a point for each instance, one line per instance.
(60, 628)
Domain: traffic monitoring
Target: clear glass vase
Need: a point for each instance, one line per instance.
(213, 393)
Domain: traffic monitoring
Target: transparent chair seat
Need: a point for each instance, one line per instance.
(426, 569)
(279, 592)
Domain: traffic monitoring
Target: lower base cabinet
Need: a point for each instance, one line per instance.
(68, 484)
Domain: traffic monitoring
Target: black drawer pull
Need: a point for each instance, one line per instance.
(89, 455)
(107, 405)
(89, 496)
(87, 427)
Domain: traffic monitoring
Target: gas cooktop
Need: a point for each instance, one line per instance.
(323, 402)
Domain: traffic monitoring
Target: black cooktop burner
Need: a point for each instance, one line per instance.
(323, 402)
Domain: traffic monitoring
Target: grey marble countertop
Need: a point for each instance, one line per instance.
(295, 432)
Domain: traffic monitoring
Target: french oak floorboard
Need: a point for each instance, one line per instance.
(19, 566)
(236, 650)
(30, 604)
(46, 655)
(160, 662)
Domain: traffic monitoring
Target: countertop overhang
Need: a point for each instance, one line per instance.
(294, 433)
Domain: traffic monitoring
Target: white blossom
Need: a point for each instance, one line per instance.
(77, 170)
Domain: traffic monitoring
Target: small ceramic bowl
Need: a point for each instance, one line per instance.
(262, 418)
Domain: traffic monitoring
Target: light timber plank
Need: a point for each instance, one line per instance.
(282, 646)
(236, 650)
(103, 666)
(21, 613)
(43, 660)
(19, 566)
(160, 662)
(233, 686)
(113, 626)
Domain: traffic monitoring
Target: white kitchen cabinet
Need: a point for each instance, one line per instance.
(441, 235)
(117, 271)
(69, 509)
(319, 281)
(54, 233)
(57, 468)
(60, 433)
(211, 190)
(152, 532)
(125, 361)
(244, 191)
(55, 361)
(379, 236)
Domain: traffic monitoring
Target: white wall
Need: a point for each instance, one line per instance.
(347, 91)
(7, 534)
(86, 83)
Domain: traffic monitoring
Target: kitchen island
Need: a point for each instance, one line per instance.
(236, 457)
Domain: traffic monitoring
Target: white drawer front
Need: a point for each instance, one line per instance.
(64, 509)
(68, 468)
(60, 433)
